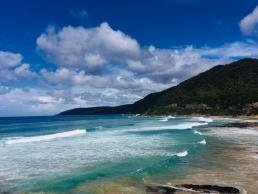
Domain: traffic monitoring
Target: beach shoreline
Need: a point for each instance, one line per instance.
(238, 169)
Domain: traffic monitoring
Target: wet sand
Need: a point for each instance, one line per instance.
(239, 169)
(123, 186)
(236, 162)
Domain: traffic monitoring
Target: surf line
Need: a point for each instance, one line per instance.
(16, 140)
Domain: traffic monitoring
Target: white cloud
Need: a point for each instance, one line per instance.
(6, 75)
(115, 95)
(64, 77)
(21, 73)
(249, 23)
(45, 101)
(24, 71)
(88, 49)
(170, 65)
(24, 102)
(94, 60)
(9, 59)
(79, 100)
(12, 69)
(36, 101)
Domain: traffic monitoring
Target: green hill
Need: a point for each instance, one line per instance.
(230, 89)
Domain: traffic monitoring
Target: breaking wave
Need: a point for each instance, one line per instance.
(187, 125)
(203, 119)
(167, 118)
(16, 140)
(197, 132)
(182, 154)
(132, 116)
(202, 142)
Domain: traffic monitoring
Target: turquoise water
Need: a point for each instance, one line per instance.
(57, 154)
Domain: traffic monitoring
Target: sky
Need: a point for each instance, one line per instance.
(58, 55)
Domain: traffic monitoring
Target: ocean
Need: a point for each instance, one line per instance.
(80, 154)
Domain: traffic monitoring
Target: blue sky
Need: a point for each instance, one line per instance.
(56, 56)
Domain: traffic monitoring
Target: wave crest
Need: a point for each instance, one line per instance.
(181, 126)
(167, 118)
(203, 119)
(16, 140)
(197, 132)
(202, 142)
(182, 154)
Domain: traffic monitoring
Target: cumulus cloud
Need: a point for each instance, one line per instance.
(231, 51)
(169, 65)
(24, 71)
(249, 23)
(6, 75)
(9, 59)
(89, 49)
(38, 101)
(63, 78)
(175, 65)
(12, 68)
(29, 101)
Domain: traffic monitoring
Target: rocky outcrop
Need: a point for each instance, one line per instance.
(241, 125)
(191, 188)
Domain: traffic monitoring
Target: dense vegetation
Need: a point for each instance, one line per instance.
(223, 90)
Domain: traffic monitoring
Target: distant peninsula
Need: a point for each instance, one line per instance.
(230, 89)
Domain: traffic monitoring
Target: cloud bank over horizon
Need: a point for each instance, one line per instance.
(99, 66)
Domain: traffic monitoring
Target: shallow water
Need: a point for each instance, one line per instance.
(64, 153)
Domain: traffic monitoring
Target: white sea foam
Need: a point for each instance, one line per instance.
(139, 170)
(182, 154)
(181, 126)
(135, 115)
(31, 139)
(197, 132)
(202, 142)
(167, 118)
(186, 125)
(99, 127)
(203, 119)
(178, 154)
